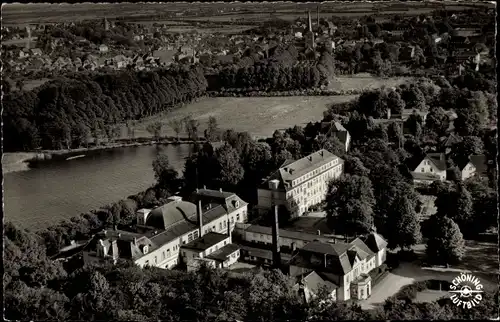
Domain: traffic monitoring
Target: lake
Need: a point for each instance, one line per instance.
(59, 190)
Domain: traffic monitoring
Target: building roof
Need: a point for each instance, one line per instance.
(450, 140)
(287, 233)
(315, 282)
(337, 258)
(205, 242)
(293, 169)
(375, 242)
(171, 213)
(223, 253)
(479, 161)
(228, 200)
(438, 159)
(263, 253)
(326, 248)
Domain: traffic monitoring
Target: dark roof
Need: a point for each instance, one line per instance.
(375, 242)
(438, 159)
(228, 200)
(171, 213)
(479, 161)
(205, 242)
(223, 253)
(263, 253)
(287, 233)
(292, 170)
(326, 248)
(450, 140)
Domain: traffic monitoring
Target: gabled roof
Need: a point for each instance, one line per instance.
(438, 159)
(375, 242)
(314, 282)
(450, 140)
(479, 161)
(223, 253)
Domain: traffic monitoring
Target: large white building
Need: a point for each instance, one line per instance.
(161, 234)
(300, 184)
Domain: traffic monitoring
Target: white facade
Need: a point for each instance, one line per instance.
(428, 167)
(468, 171)
(167, 255)
(304, 191)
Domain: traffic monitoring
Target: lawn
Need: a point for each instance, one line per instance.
(260, 116)
(364, 81)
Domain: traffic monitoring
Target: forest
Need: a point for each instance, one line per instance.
(69, 112)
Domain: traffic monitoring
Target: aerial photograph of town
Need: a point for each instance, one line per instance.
(250, 161)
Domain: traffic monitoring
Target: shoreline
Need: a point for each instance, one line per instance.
(19, 161)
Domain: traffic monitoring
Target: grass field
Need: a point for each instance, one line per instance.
(209, 30)
(260, 116)
(364, 81)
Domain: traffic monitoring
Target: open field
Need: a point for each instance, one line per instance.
(260, 116)
(210, 30)
(20, 14)
(12, 162)
(364, 81)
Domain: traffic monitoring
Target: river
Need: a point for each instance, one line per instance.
(59, 190)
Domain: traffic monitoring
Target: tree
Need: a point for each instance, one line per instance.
(211, 133)
(349, 204)
(414, 125)
(191, 125)
(469, 145)
(445, 244)
(403, 224)
(456, 204)
(354, 166)
(155, 129)
(437, 121)
(177, 126)
(165, 174)
(467, 123)
(228, 171)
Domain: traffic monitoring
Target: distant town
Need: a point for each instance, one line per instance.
(372, 194)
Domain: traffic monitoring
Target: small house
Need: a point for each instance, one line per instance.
(103, 48)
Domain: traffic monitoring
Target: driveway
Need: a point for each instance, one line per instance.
(408, 273)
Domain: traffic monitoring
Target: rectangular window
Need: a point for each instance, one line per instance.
(196, 234)
(156, 260)
(224, 224)
(213, 227)
(431, 169)
(190, 238)
(232, 219)
(168, 252)
(220, 226)
(163, 256)
(237, 217)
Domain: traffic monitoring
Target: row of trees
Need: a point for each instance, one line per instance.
(66, 112)
(282, 71)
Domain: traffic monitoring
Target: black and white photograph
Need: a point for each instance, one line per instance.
(250, 161)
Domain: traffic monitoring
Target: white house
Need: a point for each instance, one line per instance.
(344, 266)
(475, 165)
(430, 169)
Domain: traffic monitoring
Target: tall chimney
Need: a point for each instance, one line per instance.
(28, 41)
(200, 218)
(317, 15)
(229, 233)
(276, 240)
(309, 20)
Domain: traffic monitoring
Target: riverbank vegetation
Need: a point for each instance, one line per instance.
(66, 112)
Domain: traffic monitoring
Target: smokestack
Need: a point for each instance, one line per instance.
(28, 41)
(317, 15)
(229, 233)
(200, 218)
(309, 20)
(276, 240)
